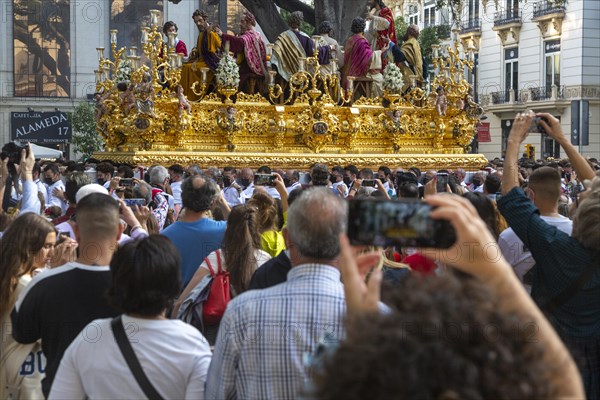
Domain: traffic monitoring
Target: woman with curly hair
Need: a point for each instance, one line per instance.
(27, 244)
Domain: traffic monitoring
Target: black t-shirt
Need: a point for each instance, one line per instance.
(272, 272)
(57, 305)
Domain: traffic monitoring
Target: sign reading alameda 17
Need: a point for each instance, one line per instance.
(40, 127)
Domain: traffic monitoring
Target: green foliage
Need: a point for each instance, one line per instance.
(401, 27)
(427, 38)
(85, 140)
(443, 31)
(305, 27)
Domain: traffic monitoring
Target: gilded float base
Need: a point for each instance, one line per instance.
(297, 160)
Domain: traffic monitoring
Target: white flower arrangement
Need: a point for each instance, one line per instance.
(124, 71)
(392, 78)
(228, 72)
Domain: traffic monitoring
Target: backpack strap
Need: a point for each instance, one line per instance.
(210, 268)
(219, 264)
(132, 361)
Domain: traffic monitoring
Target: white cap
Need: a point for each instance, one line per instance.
(89, 189)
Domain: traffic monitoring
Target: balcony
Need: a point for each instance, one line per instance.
(507, 17)
(549, 16)
(545, 8)
(508, 102)
(543, 93)
(472, 25)
(470, 33)
(507, 24)
(504, 97)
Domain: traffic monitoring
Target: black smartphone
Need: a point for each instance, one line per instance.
(264, 180)
(442, 182)
(404, 222)
(369, 183)
(62, 236)
(135, 202)
(536, 127)
(126, 182)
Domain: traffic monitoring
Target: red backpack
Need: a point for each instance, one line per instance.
(219, 295)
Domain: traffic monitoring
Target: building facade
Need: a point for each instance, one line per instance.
(48, 49)
(542, 55)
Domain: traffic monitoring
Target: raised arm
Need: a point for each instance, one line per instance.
(518, 133)
(553, 129)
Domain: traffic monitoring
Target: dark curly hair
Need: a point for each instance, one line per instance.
(198, 193)
(200, 13)
(295, 19)
(358, 25)
(325, 27)
(319, 174)
(445, 338)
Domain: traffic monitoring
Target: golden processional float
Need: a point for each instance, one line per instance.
(144, 117)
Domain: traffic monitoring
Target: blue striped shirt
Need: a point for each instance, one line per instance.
(264, 335)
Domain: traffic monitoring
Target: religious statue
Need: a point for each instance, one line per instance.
(382, 28)
(127, 97)
(250, 51)
(441, 104)
(204, 56)
(292, 45)
(184, 104)
(144, 95)
(408, 57)
(101, 108)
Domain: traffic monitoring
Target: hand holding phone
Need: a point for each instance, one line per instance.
(369, 183)
(442, 180)
(126, 182)
(134, 202)
(403, 222)
(264, 180)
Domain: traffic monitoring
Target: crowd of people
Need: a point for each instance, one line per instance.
(98, 258)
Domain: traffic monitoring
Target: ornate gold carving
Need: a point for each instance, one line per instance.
(287, 127)
(301, 161)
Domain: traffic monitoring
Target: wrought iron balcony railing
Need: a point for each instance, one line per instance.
(507, 17)
(472, 25)
(546, 7)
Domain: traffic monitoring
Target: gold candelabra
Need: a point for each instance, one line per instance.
(306, 80)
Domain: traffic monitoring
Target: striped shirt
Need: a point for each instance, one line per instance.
(265, 334)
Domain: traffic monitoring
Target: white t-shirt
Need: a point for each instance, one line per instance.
(517, 255)
(174, 356)
(53, 200)
(176, 188)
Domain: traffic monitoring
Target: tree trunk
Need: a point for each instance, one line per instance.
(340, 13)
(267, 17)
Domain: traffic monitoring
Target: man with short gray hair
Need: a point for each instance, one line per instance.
(264, 334)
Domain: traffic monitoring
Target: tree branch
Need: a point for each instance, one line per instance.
(297, 5)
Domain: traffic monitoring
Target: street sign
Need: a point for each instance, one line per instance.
(40, 127)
